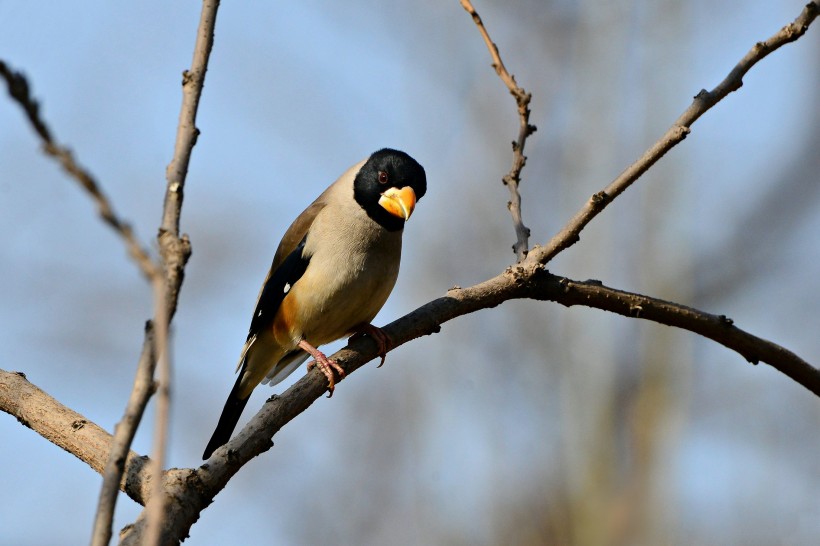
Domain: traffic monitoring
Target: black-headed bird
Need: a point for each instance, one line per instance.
(332, 272)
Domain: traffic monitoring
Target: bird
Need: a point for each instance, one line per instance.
(331, 274)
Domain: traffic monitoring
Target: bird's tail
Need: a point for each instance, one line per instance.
(228, 420)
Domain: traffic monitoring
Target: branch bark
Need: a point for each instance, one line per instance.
(70, 430)
(19, 90)
(703, 102)
(175, 250)
(522, 100)
(187, 492)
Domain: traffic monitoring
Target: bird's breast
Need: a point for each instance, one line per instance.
(349, 278)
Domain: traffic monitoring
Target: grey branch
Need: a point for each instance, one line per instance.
(19, 90)
(175, 250)
(187, 492)
(703, 101)
(522, 101)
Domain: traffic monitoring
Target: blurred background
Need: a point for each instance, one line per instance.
(525, 424)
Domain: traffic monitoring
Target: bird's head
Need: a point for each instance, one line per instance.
(388, 186)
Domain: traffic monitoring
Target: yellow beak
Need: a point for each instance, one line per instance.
(399, 202)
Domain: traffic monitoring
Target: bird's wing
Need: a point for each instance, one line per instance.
(277, 286)
(296, 233)
(288, 266)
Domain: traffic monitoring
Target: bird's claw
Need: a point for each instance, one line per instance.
(383, 341)
(327, 366)
(324, 363)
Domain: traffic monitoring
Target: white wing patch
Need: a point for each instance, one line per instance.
(287, 287)
(245, 351)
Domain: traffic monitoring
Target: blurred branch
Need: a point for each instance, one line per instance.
(143, 388)
(124, 432)
(522, 100)
(704, 100)
(19, 90)
(175, 251)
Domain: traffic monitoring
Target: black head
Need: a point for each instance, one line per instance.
(383, 170)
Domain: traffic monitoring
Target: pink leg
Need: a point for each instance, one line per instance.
(383, 341)
(324, 363)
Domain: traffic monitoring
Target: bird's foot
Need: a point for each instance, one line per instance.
(326, 365)
(383, 341)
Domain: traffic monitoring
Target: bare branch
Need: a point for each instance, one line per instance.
(193, 490)
(718, 328)
(19, 91)
(123, 436)
(522, 100)
(175, 251)
(185, 493)
(570, 233)
(69, 430)
(530, 281)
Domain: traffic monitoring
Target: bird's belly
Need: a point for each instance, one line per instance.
(332, 312)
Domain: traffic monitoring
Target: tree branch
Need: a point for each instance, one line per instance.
(522, 101)
(188, 491)
(69, 430)
(19, 90)
(175, 251)
(703, 101)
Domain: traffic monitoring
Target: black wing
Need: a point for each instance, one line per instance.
(277, 286)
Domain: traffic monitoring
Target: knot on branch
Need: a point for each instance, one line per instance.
(599, 200)
(565, 284)
(175, 251)
(703, 95)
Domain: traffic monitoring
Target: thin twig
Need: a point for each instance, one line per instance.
(718, 328)
(703, 101)
(175, 251)
(19, 90)
(522, 100)
(121, 440)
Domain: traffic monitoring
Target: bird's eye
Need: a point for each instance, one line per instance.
(383, 178)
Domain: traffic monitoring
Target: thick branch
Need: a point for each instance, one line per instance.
(522, 101)
(189, 491)
(69, 430)
(518, 282)
(570, 233)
